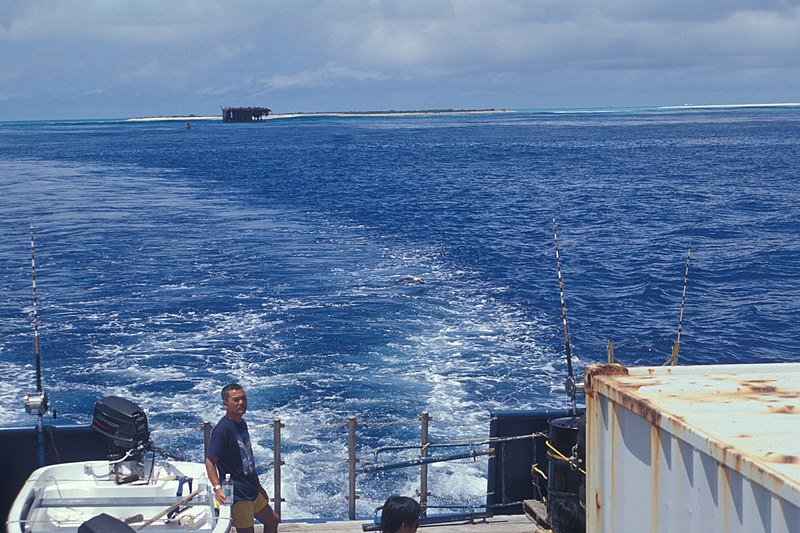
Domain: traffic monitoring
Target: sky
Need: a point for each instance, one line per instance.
(70, 59)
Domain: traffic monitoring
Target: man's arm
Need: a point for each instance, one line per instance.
(262, 490)
(213, 478)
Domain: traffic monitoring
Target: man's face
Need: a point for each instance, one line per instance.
(236, 404)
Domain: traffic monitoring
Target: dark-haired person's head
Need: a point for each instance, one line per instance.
(400, 514)
(228, 388)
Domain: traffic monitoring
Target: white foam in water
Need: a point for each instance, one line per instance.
(446, 346)
(164, 284)
(19, 381)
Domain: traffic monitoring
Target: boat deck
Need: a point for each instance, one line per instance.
(496, 524)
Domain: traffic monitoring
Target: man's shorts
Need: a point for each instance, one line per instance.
(243, 511)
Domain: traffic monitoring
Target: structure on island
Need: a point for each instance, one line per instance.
(244, 114)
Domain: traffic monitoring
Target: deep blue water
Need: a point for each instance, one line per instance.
(172, 261)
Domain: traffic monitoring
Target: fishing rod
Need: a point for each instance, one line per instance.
(37, 403)
(677, 346)
(569, 384)
(35, 318)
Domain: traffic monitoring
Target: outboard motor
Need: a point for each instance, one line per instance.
(122, 424)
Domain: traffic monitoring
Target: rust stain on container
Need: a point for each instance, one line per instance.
(787, 409)
(730, 456)
(782, 459)
(760, 386)
(723, 416)
(601, 370)
(643, 408)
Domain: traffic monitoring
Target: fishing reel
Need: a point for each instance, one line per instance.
(36, 403)
(572, 388)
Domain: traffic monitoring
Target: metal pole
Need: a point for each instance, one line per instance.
(42, 456)
(351, 462)
(277, 464)
(428, 460)
(206, 436)
(423, 475)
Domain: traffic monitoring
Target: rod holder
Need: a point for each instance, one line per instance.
(423, 469)
(351, 464)
(277, 463)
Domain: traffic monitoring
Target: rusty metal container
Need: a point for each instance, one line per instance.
(693, 449)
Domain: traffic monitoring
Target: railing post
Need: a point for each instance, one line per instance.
(206, 437)
(351, 462)
(423, 476)
(277, 463)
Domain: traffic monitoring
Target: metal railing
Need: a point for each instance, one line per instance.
(422, 461)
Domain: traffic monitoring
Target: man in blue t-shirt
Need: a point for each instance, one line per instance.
(229, 452)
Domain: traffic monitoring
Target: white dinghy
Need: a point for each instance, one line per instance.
(138, 488)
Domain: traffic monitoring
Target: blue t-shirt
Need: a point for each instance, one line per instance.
(230, 449)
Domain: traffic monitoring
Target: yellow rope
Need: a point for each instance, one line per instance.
(564, 457)
(536, 470)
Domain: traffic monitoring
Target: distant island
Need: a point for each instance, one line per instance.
(422, 112)
(390, 113)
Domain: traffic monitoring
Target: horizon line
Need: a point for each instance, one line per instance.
(391, 113)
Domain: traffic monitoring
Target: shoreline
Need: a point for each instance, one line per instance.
(277, 116)
(431, 112)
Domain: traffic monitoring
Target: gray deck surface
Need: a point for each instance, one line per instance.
(497, 524)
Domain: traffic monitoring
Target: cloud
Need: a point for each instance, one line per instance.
(145, 71)
(541, 35)
(13, 96)
(312, 53)
(329, 74)
(634, 11)
(145, 20)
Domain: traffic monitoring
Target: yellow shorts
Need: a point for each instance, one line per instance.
(243, 511)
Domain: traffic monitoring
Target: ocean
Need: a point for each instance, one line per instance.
(171, 261)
